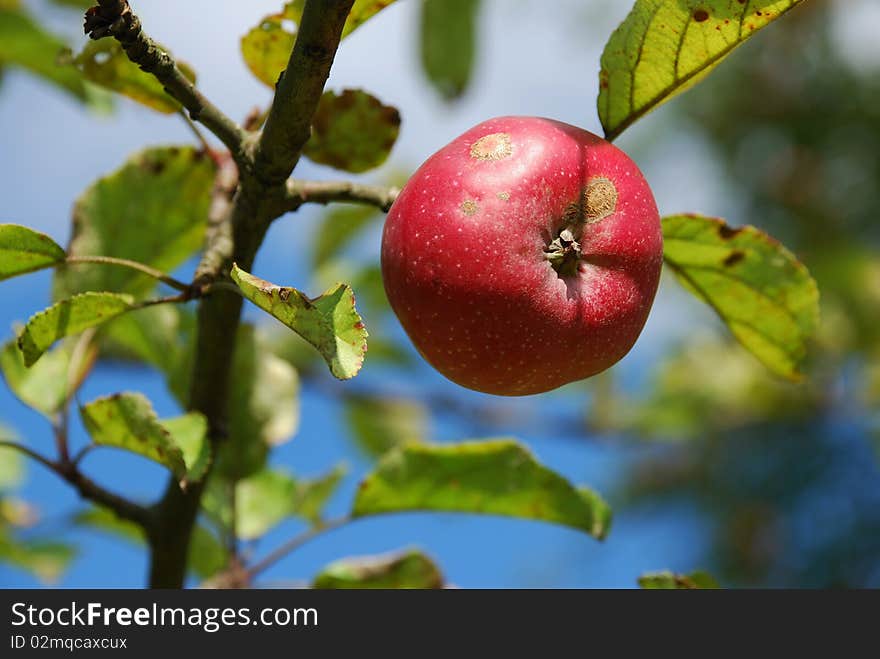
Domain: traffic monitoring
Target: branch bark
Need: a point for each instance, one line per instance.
(235, 237)
(325, 192)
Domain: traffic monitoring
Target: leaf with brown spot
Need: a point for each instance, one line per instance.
(329, 322)
(353, 131)
(664, 47)
(667, 580)
(152, 210)
(408, 569)
(759, 289)
(127, 421)
(496, 477)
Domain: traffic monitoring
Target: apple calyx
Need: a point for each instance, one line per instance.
(564, 254)
(599, 200)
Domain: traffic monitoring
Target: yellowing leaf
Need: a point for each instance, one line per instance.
(409, 569)
(266, 48)
(498, 477)
(105, 63)
(25, 250)
(670, 581)
(665, 46)
(352, 131)
(67, 317)
(127, 421)
(329, 322)
(758, 288)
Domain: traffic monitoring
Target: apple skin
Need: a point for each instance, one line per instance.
(465, 266)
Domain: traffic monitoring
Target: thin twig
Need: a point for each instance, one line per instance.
(86, 487)
(83, 452)
(295, 543)
(115, 18)
(21, 448)
(210, 151)
(181, 298)
(131, 265)
(325, 192)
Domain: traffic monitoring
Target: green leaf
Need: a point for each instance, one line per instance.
(663, 47)
(12, 467)
(448, 44)
(23, 43)
(352, 131)
(46, 385)
(758, 288)
(268, 497)
(329, 322)
(102, 519)
(311, 495)
(152, 210)
(667, 580)
(25, 250)
(46, 559)
(105, 63)
(498, 477)
(262, 501)
(267, 47)
(127, 421)
(380, 424)
(190, 434)
(75, 4)
(68, 317)
(409, 569)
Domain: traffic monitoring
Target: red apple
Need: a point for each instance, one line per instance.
(523, 255)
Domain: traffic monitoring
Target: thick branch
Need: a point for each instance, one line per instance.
(115, 18)
(236, 235)
(325, 192)
(299, 89)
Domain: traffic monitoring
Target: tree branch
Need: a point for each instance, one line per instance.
(115, 18)
(325, 192)
(288, 125)
(86, 487)
(235, 234)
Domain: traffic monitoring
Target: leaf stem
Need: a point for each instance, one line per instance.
(131, 265)
(295, 543)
